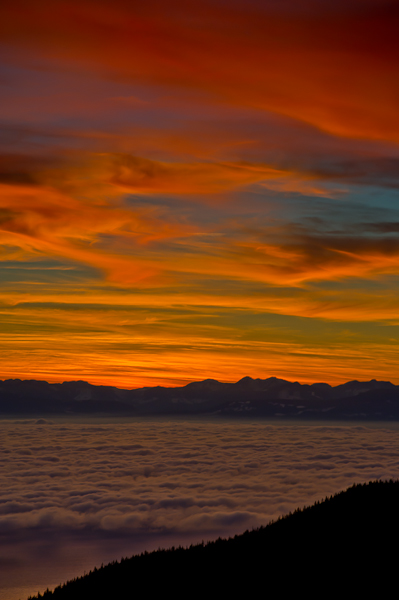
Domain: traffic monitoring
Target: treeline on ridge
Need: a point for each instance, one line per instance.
(346, 542)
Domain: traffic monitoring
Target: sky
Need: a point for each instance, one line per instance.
(196, 190)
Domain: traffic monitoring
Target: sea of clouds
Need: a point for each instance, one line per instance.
(76, 494)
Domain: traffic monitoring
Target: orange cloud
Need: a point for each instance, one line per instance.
(320, 258)
(124, 348)
(67, 209)
(89, 304)
(289, 263)
(334, 68)
(143, 176)
(67, 216)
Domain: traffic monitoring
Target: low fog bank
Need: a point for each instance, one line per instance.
(75, 495)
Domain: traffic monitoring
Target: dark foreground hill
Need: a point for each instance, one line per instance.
(346, 545)
(265, 398)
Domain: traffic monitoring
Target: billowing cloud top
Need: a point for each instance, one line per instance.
(75, 495)
(199, 189)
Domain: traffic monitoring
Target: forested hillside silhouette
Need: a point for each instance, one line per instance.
(346, 544)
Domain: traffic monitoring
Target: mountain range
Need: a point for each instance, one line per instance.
(265, 398)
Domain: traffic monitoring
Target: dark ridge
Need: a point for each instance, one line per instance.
(346, 544)
(264, 398)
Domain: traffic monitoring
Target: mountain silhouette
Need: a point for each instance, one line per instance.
(270, 398)
(346, 544)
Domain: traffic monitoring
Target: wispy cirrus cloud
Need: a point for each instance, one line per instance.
(288, 61)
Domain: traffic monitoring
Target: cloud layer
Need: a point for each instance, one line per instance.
(314, 64)
(78, 492)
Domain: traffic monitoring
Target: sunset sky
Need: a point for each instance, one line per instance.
(199, 189)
